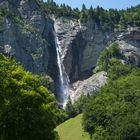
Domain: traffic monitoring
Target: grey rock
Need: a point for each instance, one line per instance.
(129, 45)
(88, 86)
(27, 35)
(81, 45)
(27, 38)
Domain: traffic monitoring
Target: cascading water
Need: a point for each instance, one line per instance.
(64, 79)
(79, 22)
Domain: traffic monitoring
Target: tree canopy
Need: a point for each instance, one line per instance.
(105, 19)
(113, 113)
(28, 110)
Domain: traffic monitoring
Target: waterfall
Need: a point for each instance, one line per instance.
(72, 23)
(79, 23)
(63, 77)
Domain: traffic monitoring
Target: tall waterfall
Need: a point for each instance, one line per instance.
(63, 77)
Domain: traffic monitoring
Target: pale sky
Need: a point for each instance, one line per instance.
(119, 4)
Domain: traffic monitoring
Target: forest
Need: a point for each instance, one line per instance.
(113, 112)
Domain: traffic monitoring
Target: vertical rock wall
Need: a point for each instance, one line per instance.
(81, 45)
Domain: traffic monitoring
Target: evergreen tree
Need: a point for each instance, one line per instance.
(84, 7)
(70, 110)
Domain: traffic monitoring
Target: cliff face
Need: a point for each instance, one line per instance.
(129, 45)
(81, 45)
(26, 33)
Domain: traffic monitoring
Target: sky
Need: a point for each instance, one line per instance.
(119, 4)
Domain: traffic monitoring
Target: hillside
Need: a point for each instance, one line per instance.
(72, 129)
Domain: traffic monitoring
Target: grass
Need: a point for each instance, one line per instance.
(72, 130)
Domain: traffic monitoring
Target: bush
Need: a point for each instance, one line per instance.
(77, 107)
(106, 55)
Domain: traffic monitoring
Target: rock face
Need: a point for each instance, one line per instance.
(27, 34)
(129, 44)
(88, 86)
(81, 46)
(22, 42)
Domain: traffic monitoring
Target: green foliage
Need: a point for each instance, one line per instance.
(28, 111)
(106, 55)
(80, 103)
(100, 134)
(50, 7)
(114, 112)
(105, 19)
(3, 13)
(112, 18)
(117, 69)
(70, 110)
(77, 107)
(83, 16)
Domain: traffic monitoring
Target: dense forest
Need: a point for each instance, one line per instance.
(28, 110)
(113, 112)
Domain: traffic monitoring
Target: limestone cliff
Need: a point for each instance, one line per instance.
(129, 45)
(81, 45)
(26, 33)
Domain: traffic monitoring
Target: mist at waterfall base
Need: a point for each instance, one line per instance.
(63, 92)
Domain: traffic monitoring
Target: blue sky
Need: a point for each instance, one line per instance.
(119, 4)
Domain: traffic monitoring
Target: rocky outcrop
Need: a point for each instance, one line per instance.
(88, 86)
(129, 44)
(82, 45)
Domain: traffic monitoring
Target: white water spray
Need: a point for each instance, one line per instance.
(64, 79)
(72, 23)
(79, 22)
